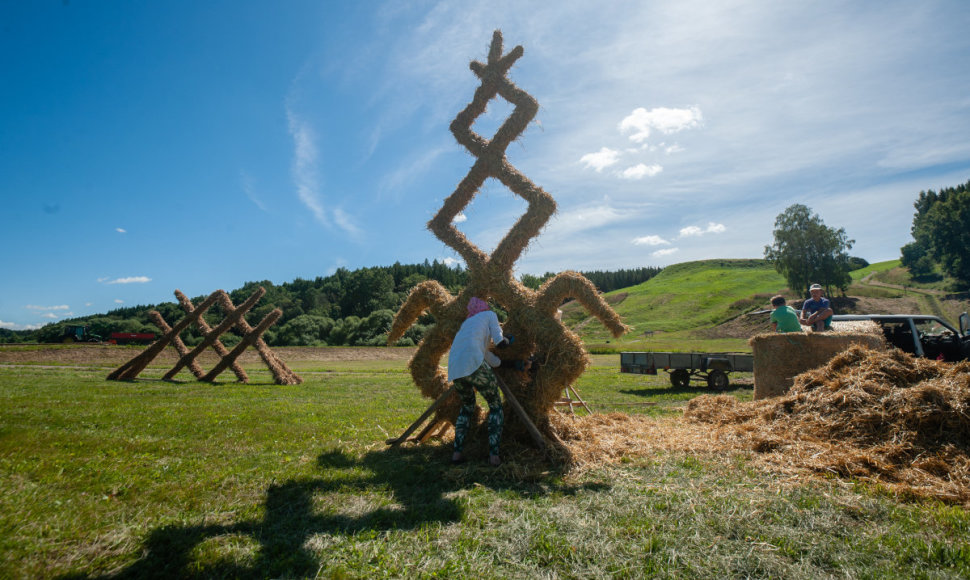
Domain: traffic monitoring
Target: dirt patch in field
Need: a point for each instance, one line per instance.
(112, 356)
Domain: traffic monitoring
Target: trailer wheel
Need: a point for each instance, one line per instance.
(680, 378)
(717, 380)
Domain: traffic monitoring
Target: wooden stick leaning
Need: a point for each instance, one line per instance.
(423, 416)
(533, 431)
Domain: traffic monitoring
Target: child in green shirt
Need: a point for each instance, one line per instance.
(783, 317)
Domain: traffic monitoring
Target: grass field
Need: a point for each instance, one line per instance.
(178, 479)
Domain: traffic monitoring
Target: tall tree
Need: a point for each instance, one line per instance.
(941, 233)
(806, 251)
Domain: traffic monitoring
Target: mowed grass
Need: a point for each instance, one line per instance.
(151, 479)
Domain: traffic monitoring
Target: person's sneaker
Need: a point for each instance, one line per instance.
(494, 460)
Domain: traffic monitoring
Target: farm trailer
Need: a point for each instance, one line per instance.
(712, 368)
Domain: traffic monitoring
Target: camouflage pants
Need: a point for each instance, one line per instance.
(484, 381)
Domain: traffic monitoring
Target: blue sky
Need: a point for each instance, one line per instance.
(149, 146)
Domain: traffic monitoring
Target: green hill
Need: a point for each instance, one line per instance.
(681, 300)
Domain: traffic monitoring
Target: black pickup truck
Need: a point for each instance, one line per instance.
(921, 335)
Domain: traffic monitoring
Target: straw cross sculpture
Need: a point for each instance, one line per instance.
(282, 375)
(559, 354)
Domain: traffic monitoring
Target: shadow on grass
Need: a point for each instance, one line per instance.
(415, 481)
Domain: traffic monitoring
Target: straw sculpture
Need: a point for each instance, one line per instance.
(875, 415)
(779, 357)
(560, 355)
(227, 359)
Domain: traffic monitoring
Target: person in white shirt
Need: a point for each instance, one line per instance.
(470, 365)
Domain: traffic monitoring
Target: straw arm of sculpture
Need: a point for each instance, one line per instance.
(428, 295)
(575, 285)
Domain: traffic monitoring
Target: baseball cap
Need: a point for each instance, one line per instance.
(815, 287)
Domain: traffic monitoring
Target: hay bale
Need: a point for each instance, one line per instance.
(780, 357)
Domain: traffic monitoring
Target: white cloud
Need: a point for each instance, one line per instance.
(49, 315)
(601, 160)
(15, 326)
(460, 218)
(712, 228)
(126, 280)
(452, 262)
(574, 221)
(665, 120)
(304, 168)
(45, 308)
(121, 230)
(410, 171)
(690, 231)
(664, 252)
(640, 171)
(346, 223)
(119, 301)
(250, 191)
(650, 241)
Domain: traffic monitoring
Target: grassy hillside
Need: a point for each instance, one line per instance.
(876, 270)
(682, 299)
(685, 307)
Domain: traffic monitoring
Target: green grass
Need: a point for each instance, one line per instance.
(158, 479)
(666, 310)
(875, 269)
(892, 272)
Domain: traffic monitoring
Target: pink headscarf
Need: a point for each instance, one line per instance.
(476, 305)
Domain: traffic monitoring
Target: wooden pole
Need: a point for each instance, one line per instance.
(425, 415)
(536, 436)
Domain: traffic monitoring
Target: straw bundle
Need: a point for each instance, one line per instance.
(233, 316)
(559, 354)
(869, 414)
(206, 329)
(778, 358)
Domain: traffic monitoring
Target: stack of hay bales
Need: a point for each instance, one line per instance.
(780, 357)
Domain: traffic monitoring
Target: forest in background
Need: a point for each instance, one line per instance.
(346, 308)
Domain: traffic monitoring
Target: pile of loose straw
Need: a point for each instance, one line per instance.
(879, 416)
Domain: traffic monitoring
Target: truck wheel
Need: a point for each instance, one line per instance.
(680, 378)
(717, 380)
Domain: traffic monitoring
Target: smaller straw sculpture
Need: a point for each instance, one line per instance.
(227, 359)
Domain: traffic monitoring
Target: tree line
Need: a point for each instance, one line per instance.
(347, 308)
(603, 280)
(941, 234)
(806, 251)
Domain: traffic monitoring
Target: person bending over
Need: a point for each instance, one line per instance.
(470, 365)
